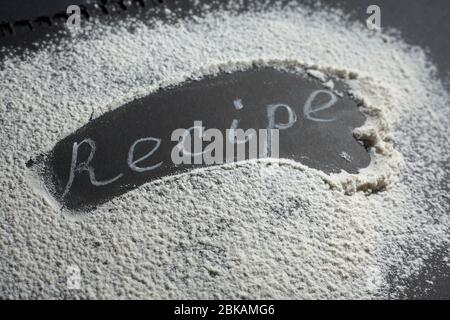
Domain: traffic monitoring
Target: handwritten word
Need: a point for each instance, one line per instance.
(262, 143)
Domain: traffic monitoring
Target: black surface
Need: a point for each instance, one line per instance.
(17, 10)
(317, 140)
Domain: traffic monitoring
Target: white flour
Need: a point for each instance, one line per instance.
(248, 230)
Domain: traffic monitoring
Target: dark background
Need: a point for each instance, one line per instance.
(421, 22)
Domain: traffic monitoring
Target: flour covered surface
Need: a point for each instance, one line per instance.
(253, 229)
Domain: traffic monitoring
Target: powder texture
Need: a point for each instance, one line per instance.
(257, 229)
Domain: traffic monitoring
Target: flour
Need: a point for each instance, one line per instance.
(318, 75)
(256, 229)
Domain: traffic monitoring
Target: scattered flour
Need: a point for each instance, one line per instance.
(344, 155)
(318, 75)
(257, 229)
